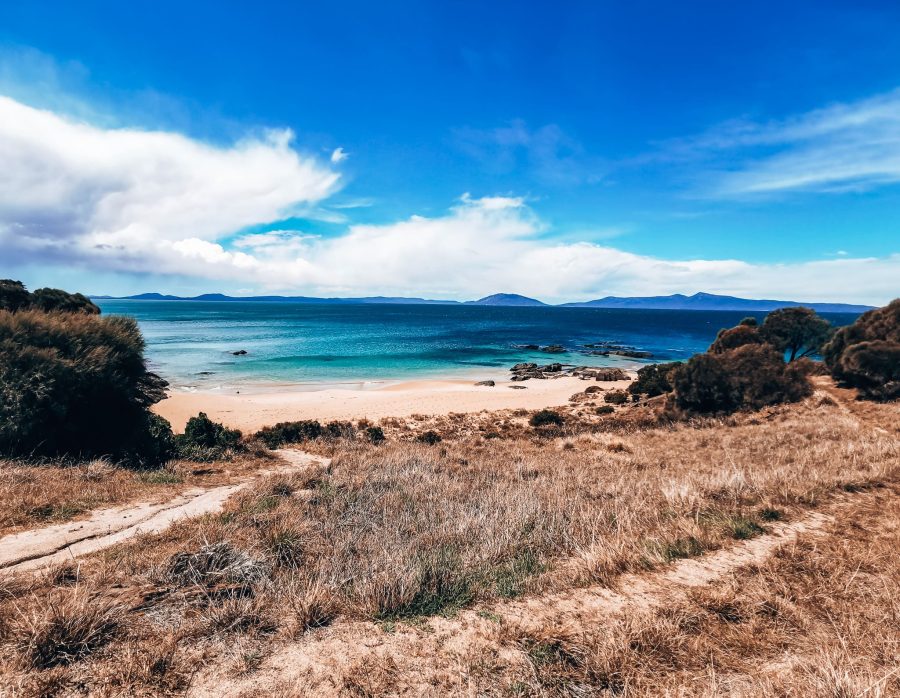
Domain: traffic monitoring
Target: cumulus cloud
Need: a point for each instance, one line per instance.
(339, 155)
(157, 202)
(119, 192)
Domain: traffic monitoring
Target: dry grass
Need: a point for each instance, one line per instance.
(821, 618)
(406, 530)
(36, 495)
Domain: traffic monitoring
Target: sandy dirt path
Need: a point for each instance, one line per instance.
(38, 548)
(443, 649)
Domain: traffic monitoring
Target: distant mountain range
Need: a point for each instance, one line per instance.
(678, 301)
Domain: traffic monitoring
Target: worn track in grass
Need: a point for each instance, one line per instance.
(421, 658)
(39, 548)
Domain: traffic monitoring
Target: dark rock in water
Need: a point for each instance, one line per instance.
(239, 352)
(530, 347)
(553, 349)
(633, 354)
(517, 387)
(205, 373)
(490, 384)
(523, 367)
(610, 374)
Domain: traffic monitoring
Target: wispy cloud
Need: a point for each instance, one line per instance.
(852, 146)
(548, 153)
(339, 155)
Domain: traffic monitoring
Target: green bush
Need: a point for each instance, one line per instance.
(866, 354)
(375, 434)
(616, 397)
(654, 379)
(290, 433)
(14, 297)
(735, 337)
(751, 376)
(54, 300)
(429, 437)
(75, 384)
(203, 432)
(545, 418)
(340, 430)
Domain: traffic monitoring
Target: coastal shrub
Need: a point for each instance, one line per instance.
(290, 433)
(203, 439)
(866, 354)
(735, 337)
(375, 435)
(796, 332)
(55, 300)
(340, 430)
(14, 297)
(155, 443)
(546, 417)
(616, 397)
(605, 409)
(653, 380)
(703, 385)
(75, 384)
(751, 376)
(429, 437)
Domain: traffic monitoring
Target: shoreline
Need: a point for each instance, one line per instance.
(250, 410)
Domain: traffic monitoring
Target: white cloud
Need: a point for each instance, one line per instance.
(339, 155)
(854, 146)
(68, 184)
(160, 203)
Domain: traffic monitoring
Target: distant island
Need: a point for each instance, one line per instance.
(677, 301)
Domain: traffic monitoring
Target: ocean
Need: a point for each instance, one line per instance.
(190, 343)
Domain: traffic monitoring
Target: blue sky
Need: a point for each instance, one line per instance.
(453, 149)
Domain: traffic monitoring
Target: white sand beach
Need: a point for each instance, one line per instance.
(252, 409)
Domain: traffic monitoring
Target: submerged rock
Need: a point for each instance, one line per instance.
(553, 349)
(239, 352)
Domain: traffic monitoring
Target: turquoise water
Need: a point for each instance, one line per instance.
(190, 343)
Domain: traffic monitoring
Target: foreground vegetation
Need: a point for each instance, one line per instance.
(404, 531)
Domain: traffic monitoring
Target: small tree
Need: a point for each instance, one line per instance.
(795, 331)
(735, 337)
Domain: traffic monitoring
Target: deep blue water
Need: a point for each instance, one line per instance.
(190, 343)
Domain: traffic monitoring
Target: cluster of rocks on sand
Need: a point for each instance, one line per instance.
(527, 371)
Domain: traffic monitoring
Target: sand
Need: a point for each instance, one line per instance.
(253, 409)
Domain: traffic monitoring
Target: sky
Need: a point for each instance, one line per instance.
(453, 149)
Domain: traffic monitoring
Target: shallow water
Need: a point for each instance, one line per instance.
(190, 342)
